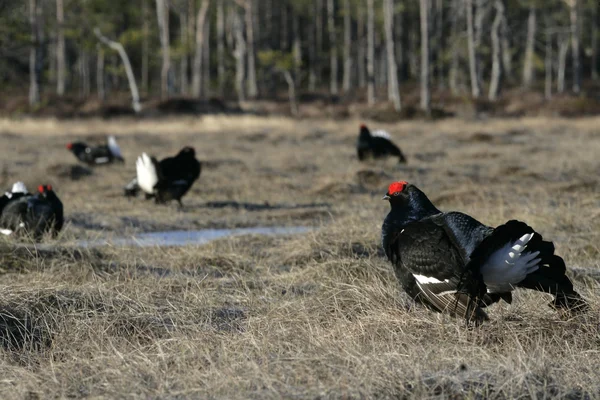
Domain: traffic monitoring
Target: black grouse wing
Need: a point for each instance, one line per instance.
(430, 266)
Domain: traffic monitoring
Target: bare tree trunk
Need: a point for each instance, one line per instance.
(481, 10)
(296, 46)
(563, 49)
(548, 66)
(252, 86)
(371, 52)
(440, 43)
(162, 14)
(319, 33)
(594, 64)
(529, 48)
(197, 67)
(291, 92)
(362, 73)
(284, 27)
(575, 35)
(183, 35)
(221, 47)
(145, 45)
(85, 74)
(312, 57)
(347, 80)
(239, 55)
(507, 69)
(206, 64)
(333, 54)
(496, 79)
(425, 91)
(475, 89)
(100, 74)
(34, 67)
(454, 63)
(61, 62)
(388, 19)
(128, 70)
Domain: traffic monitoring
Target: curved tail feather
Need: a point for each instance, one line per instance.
(147, 176)
(114, 148)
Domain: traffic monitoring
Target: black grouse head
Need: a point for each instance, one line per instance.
(365, 134)
(46, 191)
(187, 151)
(404, 196)
(77, 147)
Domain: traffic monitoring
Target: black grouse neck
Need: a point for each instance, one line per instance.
(365, 135)
(412, 205)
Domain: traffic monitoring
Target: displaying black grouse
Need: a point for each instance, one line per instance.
(34, 214)
(98, 155)
(169, 179)
(451, 262)
(376, 145)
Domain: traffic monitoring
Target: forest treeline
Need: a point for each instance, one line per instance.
(248, 49)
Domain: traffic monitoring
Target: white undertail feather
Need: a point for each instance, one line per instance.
(427, 279)
(114, 147)
(6, 232)
(509, 265)
(381, 133)
(146, 173)
(19, 187)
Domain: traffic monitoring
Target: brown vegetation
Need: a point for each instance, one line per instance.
(318, 315)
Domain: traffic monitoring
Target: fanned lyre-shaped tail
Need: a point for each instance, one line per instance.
(147, 176)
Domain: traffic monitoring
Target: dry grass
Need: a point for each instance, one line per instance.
(318, 315)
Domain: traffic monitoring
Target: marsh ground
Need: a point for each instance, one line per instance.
(317, 315)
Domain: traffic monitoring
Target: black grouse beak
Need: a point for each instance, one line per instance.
(386, 197)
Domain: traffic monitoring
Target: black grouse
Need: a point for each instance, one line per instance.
(18, 190)
(34, 214)
(169, 179)
(99, 155)
(451, 262)
(376, 145)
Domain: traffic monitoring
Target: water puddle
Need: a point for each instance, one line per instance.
(186, 238)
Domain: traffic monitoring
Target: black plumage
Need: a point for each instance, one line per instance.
(376, 145)
(97, 155)
(451, 262)
(169, 179)
(34, 214)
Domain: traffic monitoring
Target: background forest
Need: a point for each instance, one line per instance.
(395, 52)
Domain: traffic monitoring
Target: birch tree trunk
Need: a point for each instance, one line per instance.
(361, 44)
(221, 47)
(162, 14)
(425, 91)
(100, 74)
(312, 57)
(563, 49)
(575, 37)
(333, 54)
(206, 63)
(145, 44)
(475, 89)
(548, 66)
(61, 67)
(252, 86)
(319, 40)
(347, 80)
(454, 63)
(239, 55)
(198, 53)
(371, 52)
(34, 67)
(529, 48)
(183, 66)
(506, 50)
(496, 78)
(392, 84)
(594, 62)
(128, 70)
(296, 45)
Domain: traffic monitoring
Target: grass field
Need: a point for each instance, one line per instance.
(316, 315)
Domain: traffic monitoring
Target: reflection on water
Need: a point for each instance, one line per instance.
(185, 238)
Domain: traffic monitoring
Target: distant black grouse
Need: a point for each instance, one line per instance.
(376, 145)
(33, 214)
(169, 179)
(99, 155)
(451, 262)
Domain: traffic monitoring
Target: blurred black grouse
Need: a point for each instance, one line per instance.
(98, 155)
(451, 262)
(33, 214)
(169, 179)
(376, 145)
